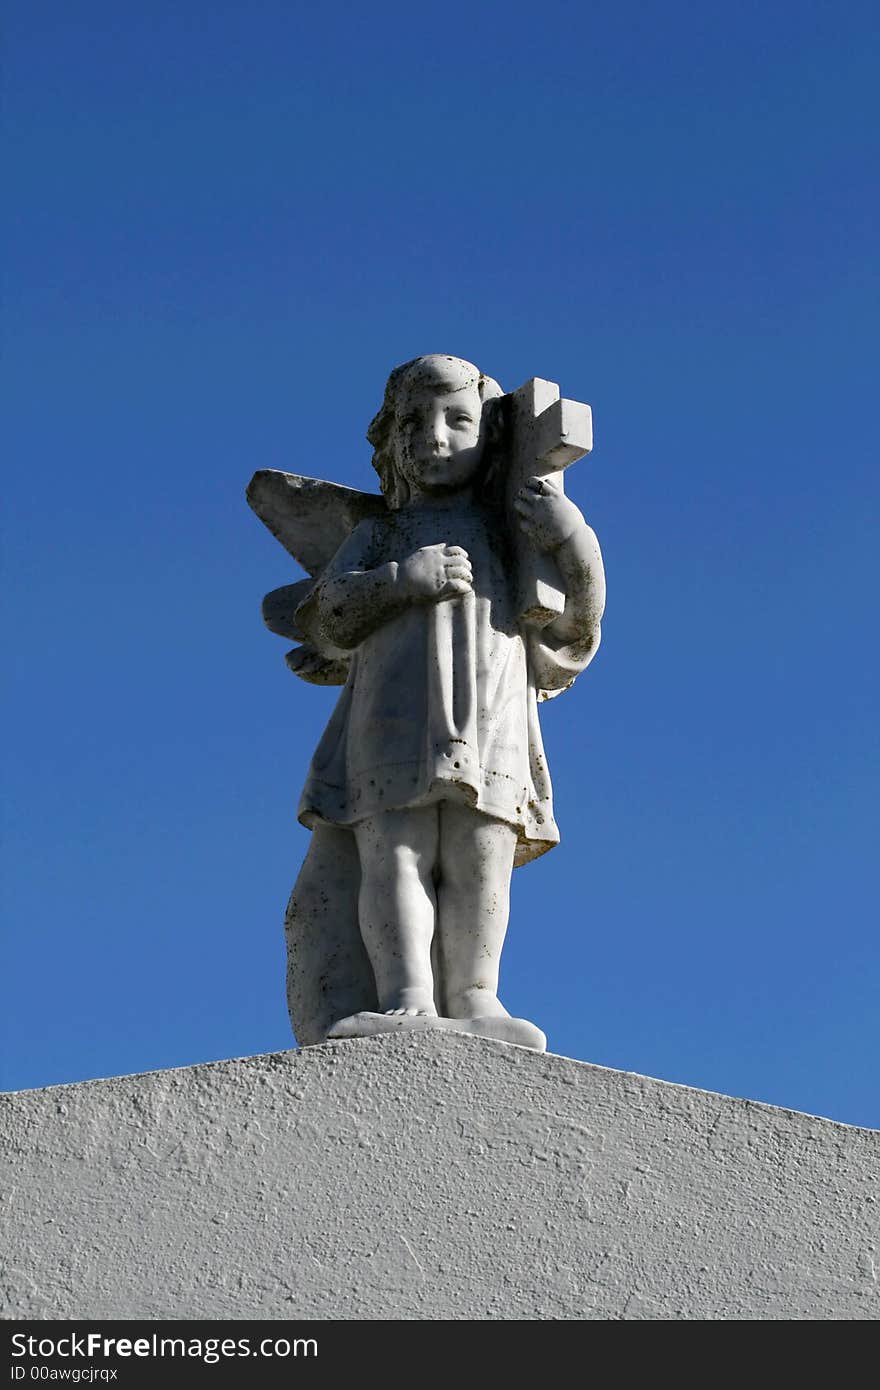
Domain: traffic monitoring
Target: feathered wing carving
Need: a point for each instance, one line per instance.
(311, 518)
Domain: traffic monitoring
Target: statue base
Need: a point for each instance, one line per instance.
(502, 1029)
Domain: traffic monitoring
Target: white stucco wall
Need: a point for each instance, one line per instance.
(429, 1176)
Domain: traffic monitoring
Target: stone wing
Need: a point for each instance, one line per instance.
(311, 518)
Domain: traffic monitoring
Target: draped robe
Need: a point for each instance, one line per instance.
(440, 703)
(441, 698)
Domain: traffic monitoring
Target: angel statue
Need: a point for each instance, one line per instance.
(447, 609)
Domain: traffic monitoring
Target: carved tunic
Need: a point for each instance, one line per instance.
(441, 699)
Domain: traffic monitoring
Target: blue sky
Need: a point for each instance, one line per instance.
(226, 223)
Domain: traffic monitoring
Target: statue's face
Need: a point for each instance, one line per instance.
(438, 441)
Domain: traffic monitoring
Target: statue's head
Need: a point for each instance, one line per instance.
(436, 429)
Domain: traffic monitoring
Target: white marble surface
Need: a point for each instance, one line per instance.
(447, 608)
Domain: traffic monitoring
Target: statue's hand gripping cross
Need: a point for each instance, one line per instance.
(548, 434)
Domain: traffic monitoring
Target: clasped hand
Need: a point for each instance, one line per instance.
(435, 572)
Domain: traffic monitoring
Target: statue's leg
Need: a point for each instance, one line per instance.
(473, 904)
(397, 905)
(328, 972)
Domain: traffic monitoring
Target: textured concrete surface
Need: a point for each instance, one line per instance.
(429, 1176)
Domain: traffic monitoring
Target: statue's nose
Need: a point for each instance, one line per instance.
(439, 438)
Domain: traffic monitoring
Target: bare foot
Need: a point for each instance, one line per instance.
(476, 1003)
(412, 1003)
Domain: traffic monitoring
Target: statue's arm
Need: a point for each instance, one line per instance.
(356, 602)
(553, 523)
(357, 596)
(583, 576)
(351, 596)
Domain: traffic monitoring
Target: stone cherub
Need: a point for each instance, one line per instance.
(447, 608)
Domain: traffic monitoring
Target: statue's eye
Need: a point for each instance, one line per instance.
(463, 419)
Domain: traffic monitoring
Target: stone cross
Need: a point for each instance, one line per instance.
(548, 435)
